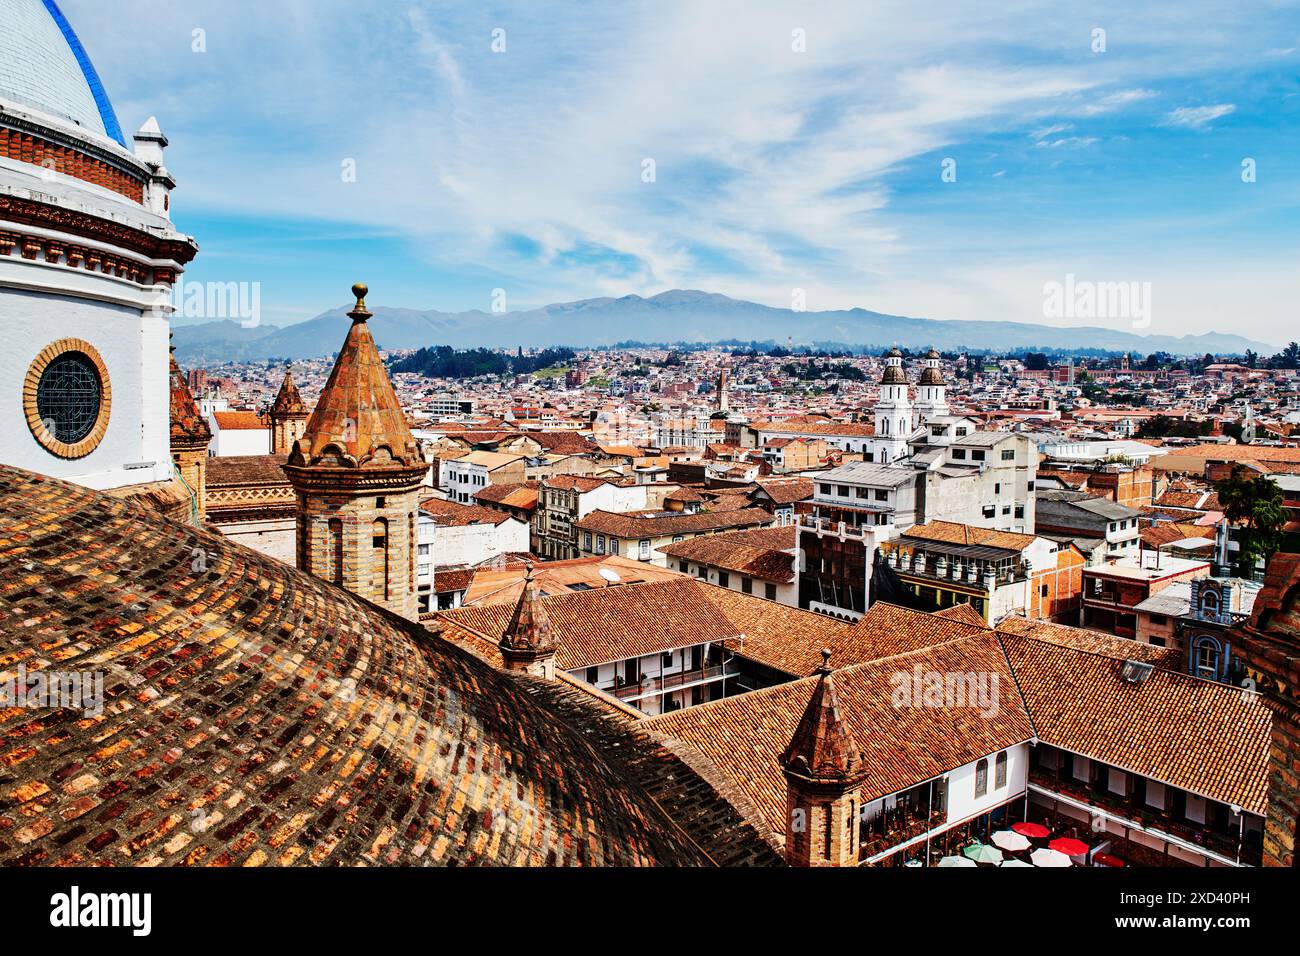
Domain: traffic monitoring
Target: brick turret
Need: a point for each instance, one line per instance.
(824, 775)
(288, 415)
(190, 435)
(527, 644)
(357, 471)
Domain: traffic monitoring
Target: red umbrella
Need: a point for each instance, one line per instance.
(1069, 846)
(1035, 831)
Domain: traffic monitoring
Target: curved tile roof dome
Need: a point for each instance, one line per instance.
(44, 66)
(252, 714)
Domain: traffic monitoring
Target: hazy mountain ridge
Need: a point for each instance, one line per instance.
(679, 315)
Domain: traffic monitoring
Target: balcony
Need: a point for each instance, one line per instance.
(878, 839)
(667, 684)
(1137, 815)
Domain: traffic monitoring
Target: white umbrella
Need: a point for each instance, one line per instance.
(1011, 841)
(1015, 862)
(982, 853)
(1045, 857)
(955, 861)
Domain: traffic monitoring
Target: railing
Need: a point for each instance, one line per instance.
(1156, 821)
(670, 682)
(1000, 580)
(875, 842)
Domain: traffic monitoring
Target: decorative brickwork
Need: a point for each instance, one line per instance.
(26, 148)
(1269, 648)
(29, 212)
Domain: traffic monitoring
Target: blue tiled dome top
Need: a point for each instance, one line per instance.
(44, 66)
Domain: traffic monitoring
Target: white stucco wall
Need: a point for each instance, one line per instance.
(133, 346)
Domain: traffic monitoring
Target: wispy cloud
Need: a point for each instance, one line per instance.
(1117, 101)
(1198, 117)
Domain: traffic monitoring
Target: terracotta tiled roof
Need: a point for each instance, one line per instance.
(1196, 734)
(820, 428)
(522, 495)
(496, 585)
(187, 425)
(563, 442)
(952, 532)
(235, 470)
(784, 491)
(239, 421)
(887, 630)
(962, 613)
(791, 640)
(822, 748)
(1094, 642)
(1159, 535)
(608, 624)
(454, 514)
(581, 483)
(899, 746)
(255, 715)
(762, 553)
(729, 502)
(358, 421)
(641, 524)
(1195, 500)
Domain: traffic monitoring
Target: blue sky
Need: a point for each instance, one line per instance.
(775, 169)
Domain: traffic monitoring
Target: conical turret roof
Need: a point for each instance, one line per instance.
(358, 421)
(287, 400)
(187, 424)
(822, 749)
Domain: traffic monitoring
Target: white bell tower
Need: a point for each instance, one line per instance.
(931, 391)
(893, 412)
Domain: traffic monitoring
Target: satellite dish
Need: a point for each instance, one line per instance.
(610, 575)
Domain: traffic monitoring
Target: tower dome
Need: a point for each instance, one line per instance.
(894, 374)
(44, 67)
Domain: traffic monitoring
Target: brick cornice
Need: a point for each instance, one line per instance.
(29, 212)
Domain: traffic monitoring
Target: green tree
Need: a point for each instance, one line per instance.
(1254, 506)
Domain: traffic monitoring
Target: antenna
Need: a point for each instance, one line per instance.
(611, 576)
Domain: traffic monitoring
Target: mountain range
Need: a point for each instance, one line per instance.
(670, 317)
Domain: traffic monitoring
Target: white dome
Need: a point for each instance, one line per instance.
(44, 66)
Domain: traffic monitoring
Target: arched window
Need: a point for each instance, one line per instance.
(379, 541)
(1000, 771)
(1210, 602)
(1207, 657)
(981, 779)
(336, 550)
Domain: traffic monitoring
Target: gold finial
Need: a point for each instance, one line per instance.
(359, 311)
